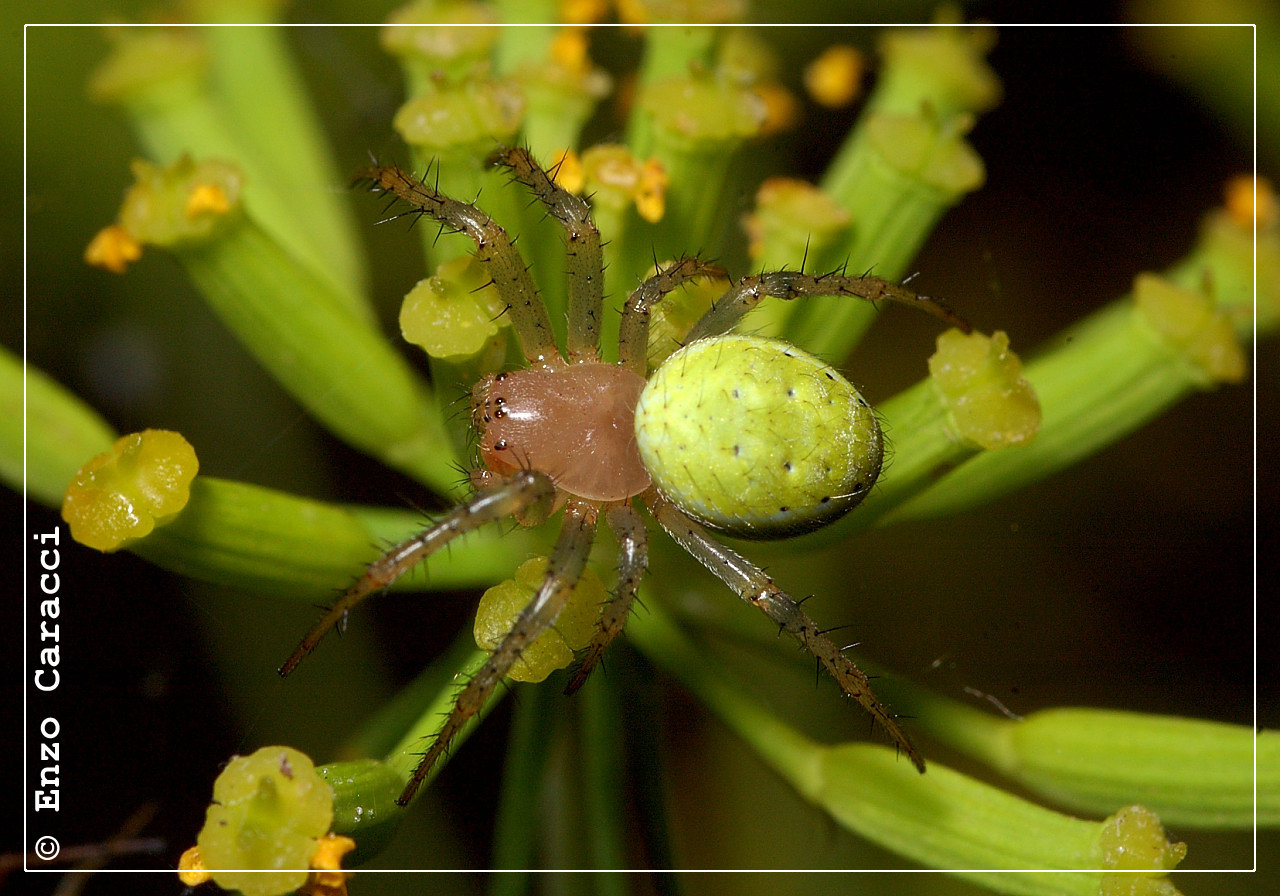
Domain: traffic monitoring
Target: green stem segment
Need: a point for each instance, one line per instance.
(61, 432)
(344, 371)
(900, 169)
(1192, 773)
(269, 542)
(233, 93)
(335, 363)
(407, 753)
(1101, 380)
(517, 827)
(942, 819)
(693, 125)
(365, 790)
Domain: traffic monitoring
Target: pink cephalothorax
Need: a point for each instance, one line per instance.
(574, 423)
(745, 435)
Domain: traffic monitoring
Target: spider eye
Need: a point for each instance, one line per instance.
(756, 438)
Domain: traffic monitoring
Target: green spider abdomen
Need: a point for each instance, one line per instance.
(756, 438)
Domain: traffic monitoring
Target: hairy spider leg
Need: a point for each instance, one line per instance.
(633, 331)
(754, 586)
(494, 249)
(523, 493)
(633, 560)
(731, 307)
(582, 245)
(564, 568)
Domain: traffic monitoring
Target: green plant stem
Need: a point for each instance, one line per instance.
(603, 775)
(365, 790)
(341, 369)
(517, 827)
(404, 757)
(922, 448)
(364, 804)
(560, 100)
(257, 86)
(233, 533)
(903, 165)
(1190, 772)
(942, 819)
(1101, 380)
(176, 110)
(61, 432)
(1106, 376)
(694, 125)
(668, 53)
(270, 542)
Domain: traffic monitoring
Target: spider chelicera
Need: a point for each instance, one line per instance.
(745, 435)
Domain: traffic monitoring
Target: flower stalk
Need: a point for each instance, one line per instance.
(942, 819)
(232, 93)
(61, 431)
(269, 542)
(900, 169)
(1127, 363)
(1190, 772)
(296, 324)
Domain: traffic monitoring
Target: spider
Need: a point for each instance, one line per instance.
(572, 432)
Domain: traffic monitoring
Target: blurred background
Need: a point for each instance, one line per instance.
(1125, 582)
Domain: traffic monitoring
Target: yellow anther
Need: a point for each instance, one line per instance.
(113, 248)
(566, 170)
(569, 50)
(834, 79)
(781, 109)
(191, 870)
(209, 198)
(583, 12)
(617, 178)
(1248, 200)
(327, 877)
(651, 191)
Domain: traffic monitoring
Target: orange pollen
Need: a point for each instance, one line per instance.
(834, 79)
(567, 171)
(113, 248)
(209, 198)
(1249, 201)
(191, 870)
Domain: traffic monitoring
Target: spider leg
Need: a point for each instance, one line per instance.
(633, 332)
(586, 259)
(755, 587)
(494, 249)
(633, 560)
(568, 559)
(747, 293)
(525, 491)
